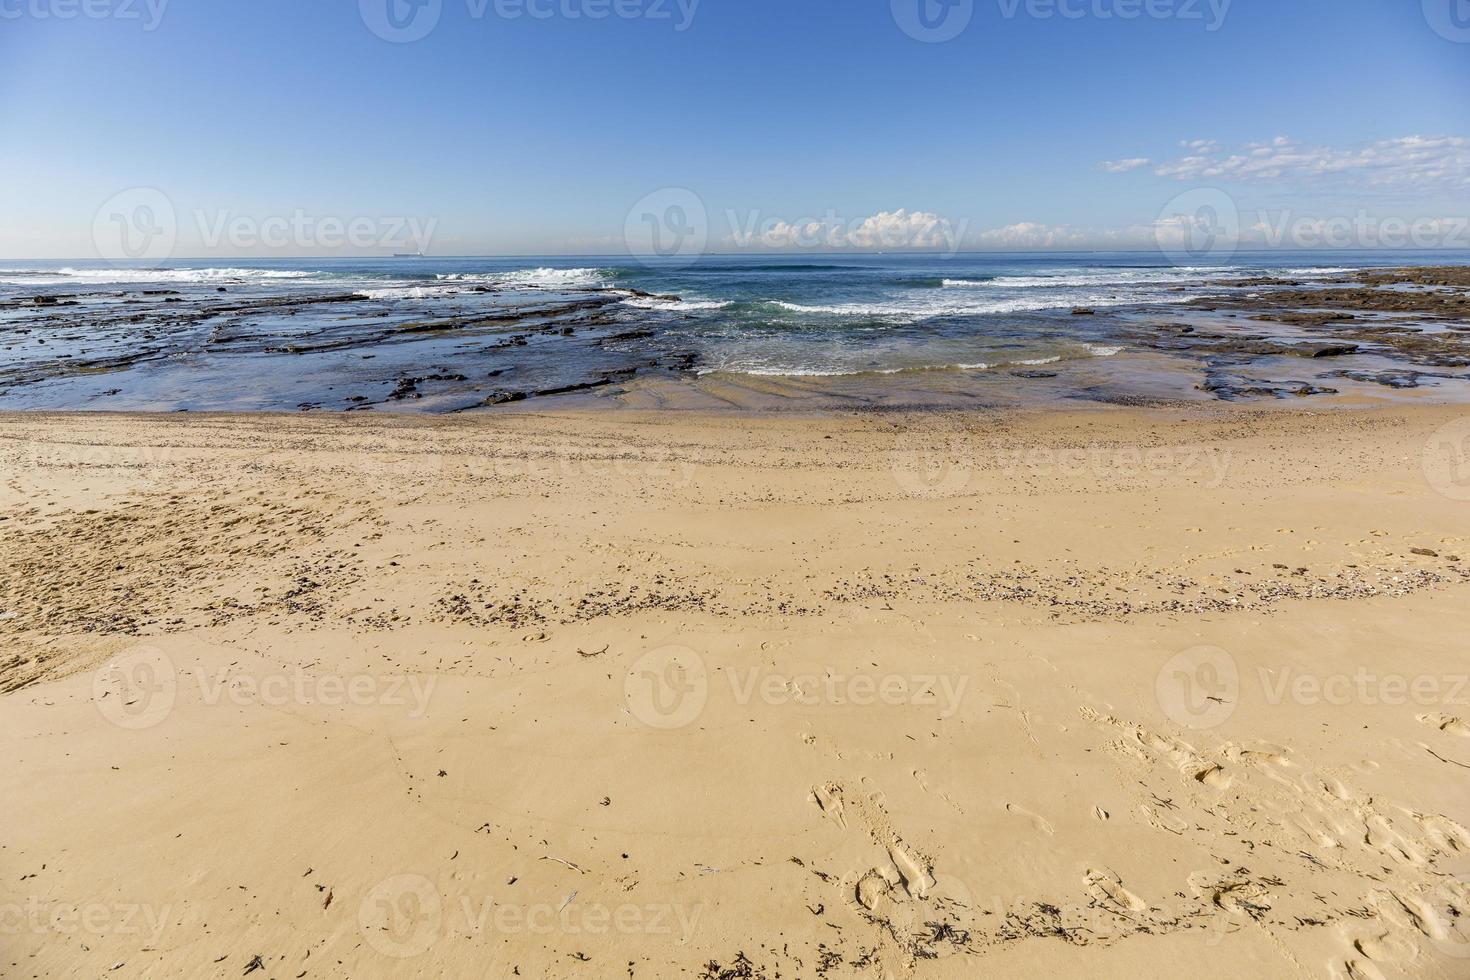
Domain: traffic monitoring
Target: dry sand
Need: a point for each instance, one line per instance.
(1107, 694)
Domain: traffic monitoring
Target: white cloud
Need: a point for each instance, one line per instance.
(887, 229)
(1125, 166)
(1031, 235)
(1409, 161)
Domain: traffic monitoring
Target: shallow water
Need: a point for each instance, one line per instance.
(435, 334)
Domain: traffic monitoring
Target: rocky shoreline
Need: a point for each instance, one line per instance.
(1418, 318)
(485, 347)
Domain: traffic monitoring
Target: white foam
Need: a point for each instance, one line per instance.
(1100, 350)
(546, 278)
(929, 306)
(677, 305)
(1121, 278)
(408, 292)
(1037, 362)
(770, 371)
(52, 277)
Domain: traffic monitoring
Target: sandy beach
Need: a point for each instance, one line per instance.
(1115, 693)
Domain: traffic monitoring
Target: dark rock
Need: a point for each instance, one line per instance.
(1233, 388)
(568, 389)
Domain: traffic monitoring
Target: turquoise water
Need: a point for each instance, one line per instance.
(343, 334)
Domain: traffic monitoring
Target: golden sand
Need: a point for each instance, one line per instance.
(1106, 694)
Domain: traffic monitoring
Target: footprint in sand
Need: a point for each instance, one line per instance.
(1412, 912)
(1447, 724)
(1258, 754)
(915, 873)
(1384, 947)
(1443, 832)
(1161, 820)
(1359, 970)
(1041, 824)
(1383, 838)
(829, 801)
(1107, 889)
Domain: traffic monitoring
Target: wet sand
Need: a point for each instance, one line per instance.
(1114, 693)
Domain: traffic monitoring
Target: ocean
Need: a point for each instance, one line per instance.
(453, 334)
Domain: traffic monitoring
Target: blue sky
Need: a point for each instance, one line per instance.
(537, 135)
